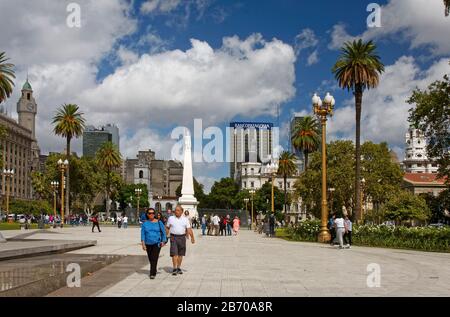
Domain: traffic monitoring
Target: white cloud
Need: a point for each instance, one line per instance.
(313, 58)
(151, 6)
(243, 77)
(305, 39)
(422, 22)
(339, 36)
(143, 140)
(385, 110)
(38, 33)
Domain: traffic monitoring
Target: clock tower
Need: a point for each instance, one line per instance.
(27, 109)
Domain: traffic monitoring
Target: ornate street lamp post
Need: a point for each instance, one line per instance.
(9, 175)
(272, 170)
(252, 192)
(138, 192)
(55, 185)
(246, 211)
(63, 166)
(322, 110)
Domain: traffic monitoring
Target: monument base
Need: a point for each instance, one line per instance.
(189, 203)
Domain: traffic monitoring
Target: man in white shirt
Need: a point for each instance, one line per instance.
(125, 221)
(179, 227)
(216, 221)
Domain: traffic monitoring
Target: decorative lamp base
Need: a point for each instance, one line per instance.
(324, 236)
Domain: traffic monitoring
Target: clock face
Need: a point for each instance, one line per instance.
(30, 107)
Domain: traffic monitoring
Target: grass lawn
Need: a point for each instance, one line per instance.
(16, 226)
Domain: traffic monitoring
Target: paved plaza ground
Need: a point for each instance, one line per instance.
(253, 265)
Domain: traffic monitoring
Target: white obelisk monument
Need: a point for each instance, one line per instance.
(187, 199)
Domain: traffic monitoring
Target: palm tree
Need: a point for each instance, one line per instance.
(69, 123)
(286, 168)
(108, 158)
(6, 77)
(447, 7)
(306, 137)
(358, 68)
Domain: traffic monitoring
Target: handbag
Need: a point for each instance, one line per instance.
(160, 231)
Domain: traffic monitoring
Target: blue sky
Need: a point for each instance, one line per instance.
(135, 63)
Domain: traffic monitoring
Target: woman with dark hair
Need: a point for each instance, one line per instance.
(153, 238)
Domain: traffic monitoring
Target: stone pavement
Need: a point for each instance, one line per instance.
(253, 265)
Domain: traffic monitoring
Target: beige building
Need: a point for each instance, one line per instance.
(162, 177)
(20, 151)
(423, 183)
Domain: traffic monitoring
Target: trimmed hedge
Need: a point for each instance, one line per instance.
(416, 238)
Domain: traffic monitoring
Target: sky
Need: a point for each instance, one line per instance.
(150, 66)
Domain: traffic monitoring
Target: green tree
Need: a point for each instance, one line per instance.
(404, 206)
(431, 115)
(41, 185)
(35, 207)
(69, 123)
(222, 194)
(357, 69)
(383, 177)
(286, 168)
(306, 137)
(263, 198)
(108, 159)
(6, 77)
(127, 196)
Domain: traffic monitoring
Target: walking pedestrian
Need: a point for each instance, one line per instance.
(203, 220)
(209, 225)
(236, 225)
(216, 221)
(272, 224)
(125, 221)
(229, 225)
(340, 229)
(94, 220)
(179, 227)
(348, 231)
(119, 221)
(153, 238)
(222, 226)
(332, 228)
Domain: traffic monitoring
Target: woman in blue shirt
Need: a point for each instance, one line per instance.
(153, 238)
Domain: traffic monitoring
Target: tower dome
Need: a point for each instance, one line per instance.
(27, 86)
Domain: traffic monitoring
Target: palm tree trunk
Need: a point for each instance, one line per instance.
(285, 195)
(108, 185)
(358, 108)
(305, 154)
(67, 178)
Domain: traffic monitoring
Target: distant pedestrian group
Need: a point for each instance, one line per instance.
(213, 225)
(340, 227)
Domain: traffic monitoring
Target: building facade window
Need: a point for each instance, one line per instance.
(141, 174)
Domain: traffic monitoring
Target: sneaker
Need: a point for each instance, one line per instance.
(152, 277)
(174, 272)
(179, 271)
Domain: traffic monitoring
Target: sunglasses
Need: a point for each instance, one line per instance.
(151, 213)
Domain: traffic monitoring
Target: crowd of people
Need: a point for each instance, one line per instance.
(214, 225)
(340, 227)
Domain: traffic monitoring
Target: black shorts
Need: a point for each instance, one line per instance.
(177, 245)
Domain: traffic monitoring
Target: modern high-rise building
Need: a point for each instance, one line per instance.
(94, 138)
(245, 136)
(114, 130)
(416, 158)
